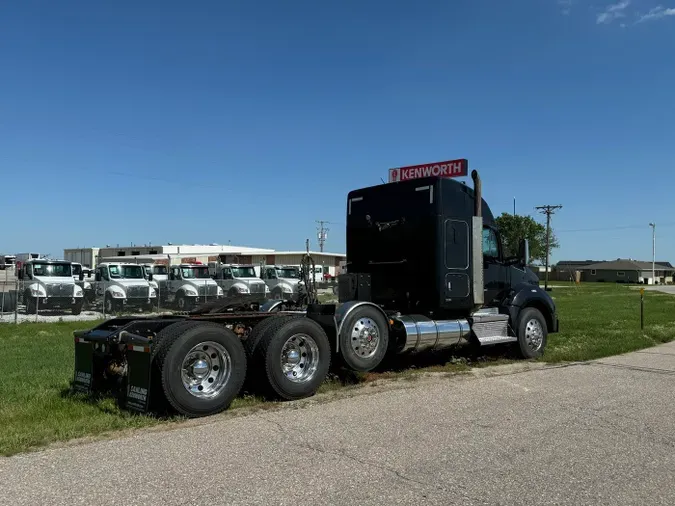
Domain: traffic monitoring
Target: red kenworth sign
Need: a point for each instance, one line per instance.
(451, 168)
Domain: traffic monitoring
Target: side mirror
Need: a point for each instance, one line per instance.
(20, 274)
(524, 251)
(81, 276)
(98, 276)
(89, 274)
(150, 276)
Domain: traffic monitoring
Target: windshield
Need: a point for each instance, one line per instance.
(195, 272)
(160, 269)
(288, 273)
(126, 272)
(77, 269)
(60, 270)
(243, 272)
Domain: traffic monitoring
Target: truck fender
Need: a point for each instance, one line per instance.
(271, 305)
(525, 295)
(344, 310)
(37, 287)
(184, 288)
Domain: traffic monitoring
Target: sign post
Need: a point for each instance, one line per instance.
(642, 308)
(450, 168)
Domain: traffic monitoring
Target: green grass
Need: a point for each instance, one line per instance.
(602, 319)
(36, 364)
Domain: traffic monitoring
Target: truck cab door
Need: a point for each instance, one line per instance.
(495, 274)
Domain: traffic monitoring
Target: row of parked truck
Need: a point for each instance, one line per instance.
(52, 284)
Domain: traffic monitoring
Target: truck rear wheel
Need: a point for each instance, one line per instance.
(364, 339)
(532, 333)
(294, 355)
(202, 367)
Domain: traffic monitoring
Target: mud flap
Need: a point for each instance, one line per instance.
(83, 380)
(138, 378)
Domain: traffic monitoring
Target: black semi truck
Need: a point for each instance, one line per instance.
(425, 271)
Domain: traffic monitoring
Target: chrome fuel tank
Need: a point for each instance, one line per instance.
(423, 333)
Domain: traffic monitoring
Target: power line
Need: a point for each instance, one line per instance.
(548, 210)
(322, 233)
(620, 227)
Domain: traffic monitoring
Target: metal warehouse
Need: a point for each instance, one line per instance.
(174, 254)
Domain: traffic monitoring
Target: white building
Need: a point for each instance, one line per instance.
(84, 256)
(188, 253)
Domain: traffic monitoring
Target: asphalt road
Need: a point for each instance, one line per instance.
(599, 433)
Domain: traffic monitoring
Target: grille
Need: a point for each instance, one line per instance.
(209, 290)
(137, 292)
(257, 287)
(59, 290)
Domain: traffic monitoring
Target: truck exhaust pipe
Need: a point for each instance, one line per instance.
(478, 286)
(478, 194)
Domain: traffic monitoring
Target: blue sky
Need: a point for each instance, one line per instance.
(210, 121)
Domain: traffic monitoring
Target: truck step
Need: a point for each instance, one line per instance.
(491, 328)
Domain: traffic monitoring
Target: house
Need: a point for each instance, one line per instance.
(627, 271)
(565, 270)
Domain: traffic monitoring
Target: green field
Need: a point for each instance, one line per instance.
(36, 407)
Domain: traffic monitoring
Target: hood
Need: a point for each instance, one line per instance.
(131, 282)
(200, 282)
(63, 280)
(290, 281)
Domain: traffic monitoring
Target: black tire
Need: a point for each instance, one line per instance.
(356, 357)
(253, 339)
(233, 293)
(172, 348)
(268, 353)
(77, 308)
(530, 321)
(183, 303)
(31, 305)
(109, 304)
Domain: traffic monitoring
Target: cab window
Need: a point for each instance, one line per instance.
(490, 244)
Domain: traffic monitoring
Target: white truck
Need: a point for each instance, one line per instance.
(82, 277)
(238, 279)
(190, 284)
(123, 285)
(283, 281)
(160, 278)
(49, 284)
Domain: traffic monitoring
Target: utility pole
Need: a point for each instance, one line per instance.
(514, 206)
(548, 211)
(322, 233)
(653, 225)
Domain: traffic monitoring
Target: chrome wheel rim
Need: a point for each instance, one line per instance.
(299, 358)
(206, 369)
(365, 337)
(534, 334)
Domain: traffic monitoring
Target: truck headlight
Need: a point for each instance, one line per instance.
(153, 292)
(242, 289)
(219, 291)
(267, 289)
(78, 291)
(287, 289)
(35, 292)
(117, 293)
(191, 293)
